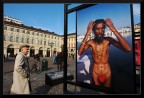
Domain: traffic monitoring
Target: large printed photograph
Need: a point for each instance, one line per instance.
(105, 47)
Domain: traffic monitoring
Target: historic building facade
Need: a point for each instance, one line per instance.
(137, 27)
(39, 40)
(71, 44)
(137, 30)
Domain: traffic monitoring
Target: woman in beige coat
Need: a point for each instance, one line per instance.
(21, 74)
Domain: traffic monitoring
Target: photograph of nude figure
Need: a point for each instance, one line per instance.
(104, 47)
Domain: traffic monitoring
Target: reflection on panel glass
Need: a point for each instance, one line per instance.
(71, 44)
(137, 26)
(137, 52)
(104, 47)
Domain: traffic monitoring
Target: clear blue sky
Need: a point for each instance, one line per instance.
(45, 16)
(118, 13)
(136, 10)
(51, 16)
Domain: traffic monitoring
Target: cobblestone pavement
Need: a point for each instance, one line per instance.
(38, 80)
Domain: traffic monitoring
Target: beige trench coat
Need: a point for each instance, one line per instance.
(21, 76)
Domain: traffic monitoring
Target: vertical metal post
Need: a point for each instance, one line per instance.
(1, 40)
(133, 43)
(65, 50)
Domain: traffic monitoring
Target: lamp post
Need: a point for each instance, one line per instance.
(51, 44)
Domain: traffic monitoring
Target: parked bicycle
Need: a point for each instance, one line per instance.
(36, 67)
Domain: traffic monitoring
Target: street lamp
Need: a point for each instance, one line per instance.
(51, 44)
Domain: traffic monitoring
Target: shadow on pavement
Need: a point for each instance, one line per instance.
(49, 68)
(44, 89)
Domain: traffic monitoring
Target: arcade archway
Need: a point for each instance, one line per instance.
(10, 51)
(48, 52)
(32, 51)
(41, 51)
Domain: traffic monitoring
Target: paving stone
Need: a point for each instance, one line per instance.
(38, 80)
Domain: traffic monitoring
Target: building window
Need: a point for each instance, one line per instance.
(44, 42)
(18, 30)
(40, 42)
(17, 39)
(32, 41)
(27, 40)
(22, 40)
(11, 38)
(32, 33)
(37, 34)
(5, 27)
(28, 32)
(12, 29)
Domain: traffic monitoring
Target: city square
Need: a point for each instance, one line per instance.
(48, 39)
(38, 80)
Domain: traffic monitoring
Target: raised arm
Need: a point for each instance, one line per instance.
(121, 43)
(85, 45)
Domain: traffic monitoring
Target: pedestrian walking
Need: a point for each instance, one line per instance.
(73, 56)
(54, 57)
(21, 75)
(59, 60)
